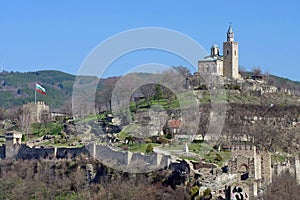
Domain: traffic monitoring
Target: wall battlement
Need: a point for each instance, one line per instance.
(122, 160)
(238, 148)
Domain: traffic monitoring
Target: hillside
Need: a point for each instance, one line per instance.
(17, 88)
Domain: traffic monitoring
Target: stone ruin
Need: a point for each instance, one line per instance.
(249, 161)
(292, 165)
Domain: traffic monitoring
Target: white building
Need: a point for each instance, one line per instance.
(226, 65)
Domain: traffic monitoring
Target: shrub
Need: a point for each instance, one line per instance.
(194, 191)
(163, 140)
(148, 140)
(218, 158)
(207, 192)
(149, 148)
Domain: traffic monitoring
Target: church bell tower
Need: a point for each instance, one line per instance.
(231, 56)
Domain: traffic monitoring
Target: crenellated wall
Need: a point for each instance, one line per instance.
(122, 160)
(126, 160)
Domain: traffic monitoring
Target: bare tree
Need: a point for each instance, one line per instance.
(67, 107)
(256, 71)
(283, 186)
(104, 93)
(148, 91)
(25, 120)
(184, 71)
(2, 114)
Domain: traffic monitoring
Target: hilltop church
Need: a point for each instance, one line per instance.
(226, 65)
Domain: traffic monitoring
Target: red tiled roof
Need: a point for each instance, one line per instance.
(174, 123)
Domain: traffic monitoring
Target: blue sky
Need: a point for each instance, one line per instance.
(38, 35)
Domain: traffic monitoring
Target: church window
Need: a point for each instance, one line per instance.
(227, 52)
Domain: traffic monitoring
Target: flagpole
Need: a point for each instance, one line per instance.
(34, 96)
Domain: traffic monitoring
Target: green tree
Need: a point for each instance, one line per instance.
(158, 93)
(194, 191)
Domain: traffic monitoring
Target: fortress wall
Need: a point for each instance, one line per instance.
(258, 167)
(266, 170)
(100, 152)
(243, 150)
(25, 152)
(71, 152)
(105, 153)
(12, 150)
(152, 159)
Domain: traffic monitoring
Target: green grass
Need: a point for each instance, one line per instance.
(130, 128)
(51, 128)
(277, 158)
(135, 147)
(90, 118)
(173, 147)
(122, 135)
(163, 103)
(211, 157)
(141, 147)
(198, 147)
(203, 151)
(205, 98)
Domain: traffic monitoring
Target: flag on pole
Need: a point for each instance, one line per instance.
(40, 89)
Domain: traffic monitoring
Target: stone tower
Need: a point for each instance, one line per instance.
(12, 144)
(39, 112)
(230, 56)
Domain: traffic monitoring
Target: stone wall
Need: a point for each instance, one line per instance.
(11, 150)
(25, 152)
(266, 168)
(248, 158)
(122, 160)
(126, 160)
(38, 112)
(292, 165)
(74, 152)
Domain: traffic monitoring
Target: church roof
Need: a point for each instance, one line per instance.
(215, 45)
(209, 58)
(230, 29)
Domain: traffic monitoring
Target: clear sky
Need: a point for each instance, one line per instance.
(38, 35)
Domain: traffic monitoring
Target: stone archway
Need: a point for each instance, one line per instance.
(244, 172)
(243, 168)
